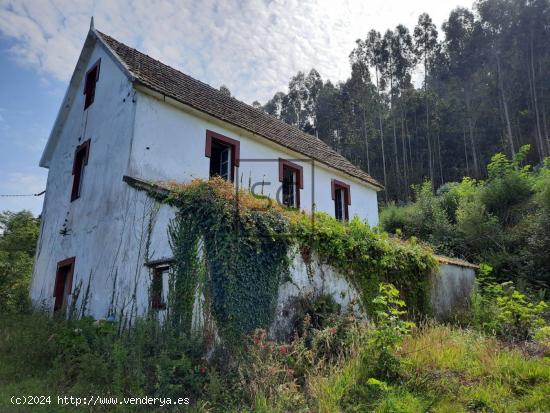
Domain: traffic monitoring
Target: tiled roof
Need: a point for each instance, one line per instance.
(455, 261)
(183, 88)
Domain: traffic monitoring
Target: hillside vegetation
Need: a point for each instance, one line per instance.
(492, 359)
(503, 221)
(434, 103)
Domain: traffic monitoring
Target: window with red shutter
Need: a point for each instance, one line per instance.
(63, 283)
(342, 199)
(292, 177)
(80, 161)
(223, 153)
(92, 76)
(160, 278)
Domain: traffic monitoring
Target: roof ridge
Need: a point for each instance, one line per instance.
(228, 108)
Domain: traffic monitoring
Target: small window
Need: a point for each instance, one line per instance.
(291, 176)
(79, 163)
(92, 76)
(220, 160)
(342, 199)
(223, 153)
(63, 283)
(158, 282)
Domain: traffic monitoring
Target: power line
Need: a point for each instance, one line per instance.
(21, 195)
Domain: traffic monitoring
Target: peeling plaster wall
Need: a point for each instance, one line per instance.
(103, 228)
(451, 288)
(169, 144)
(311, 280)
(113, 230)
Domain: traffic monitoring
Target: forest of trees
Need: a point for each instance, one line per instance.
(484, 89)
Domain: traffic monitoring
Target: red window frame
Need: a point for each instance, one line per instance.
(224, 140)
(63, 282)
(336, 184)
(81, 154)
(284, 164)
(157, 285)
(90, 80)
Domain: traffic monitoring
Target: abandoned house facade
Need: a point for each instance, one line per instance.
(129, 118)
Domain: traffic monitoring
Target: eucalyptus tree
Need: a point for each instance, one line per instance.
(375, 55)
(497, 19)
(425, 47)
(403, 58)
(462, 42)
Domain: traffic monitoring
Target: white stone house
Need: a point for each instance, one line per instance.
(127, 115)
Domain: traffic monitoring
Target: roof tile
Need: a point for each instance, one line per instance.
(189, 91)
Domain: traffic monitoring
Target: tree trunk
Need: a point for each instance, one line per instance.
(465, 150)
(542, 151)
(395, 147)
(468, 103)
(404, 150)
(428, 138)
(366, 138)
(505, 107)
(382, 137)
(439, 158)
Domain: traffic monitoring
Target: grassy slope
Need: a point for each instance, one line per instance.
(452, 370)
(445, 370)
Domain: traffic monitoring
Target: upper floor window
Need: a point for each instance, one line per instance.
(92, 76)
(80, 161)
(342, 199)
(223, 153)
(291, 176)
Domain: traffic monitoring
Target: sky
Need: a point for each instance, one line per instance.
(252, 47)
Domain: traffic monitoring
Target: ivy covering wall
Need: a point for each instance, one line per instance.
(245, 255)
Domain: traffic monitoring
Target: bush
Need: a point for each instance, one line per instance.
(389, 333)
(18, 235)
(503, 310)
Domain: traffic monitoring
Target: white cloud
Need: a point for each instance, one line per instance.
(253, 47)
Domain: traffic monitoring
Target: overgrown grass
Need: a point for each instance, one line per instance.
(445, 369)
(441, 368)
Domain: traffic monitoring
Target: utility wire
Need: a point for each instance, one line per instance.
(14, 195)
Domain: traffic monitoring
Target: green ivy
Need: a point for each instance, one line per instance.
(245, 255)
(245, 251)
(369, 257)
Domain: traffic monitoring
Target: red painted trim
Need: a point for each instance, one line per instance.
(90, 84)
(157, 302)
(84, 146)
(283, 163)
(96, 64)
(69, 262)
(336, 184)
(235, 145)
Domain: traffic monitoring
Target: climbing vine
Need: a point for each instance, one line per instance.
(244, 255)
(245, 252)
(367, 257)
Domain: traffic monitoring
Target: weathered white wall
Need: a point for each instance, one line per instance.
(169, 144)
(451, 289)
(102, 227)
(311, 280)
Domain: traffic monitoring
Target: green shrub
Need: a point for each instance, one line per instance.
(18, 235)
(389, 332)
(367, 257)
(503, 310)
